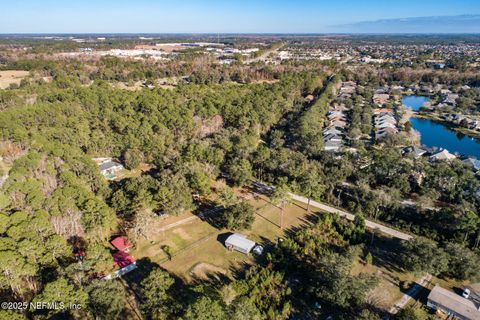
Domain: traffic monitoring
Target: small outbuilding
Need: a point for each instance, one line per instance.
(240, 243)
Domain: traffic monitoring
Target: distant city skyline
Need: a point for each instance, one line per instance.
(248, 16)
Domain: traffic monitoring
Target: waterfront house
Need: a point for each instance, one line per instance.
(442, 155)
(472, 163)
(414, 151)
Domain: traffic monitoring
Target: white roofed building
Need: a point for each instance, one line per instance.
(240, 243)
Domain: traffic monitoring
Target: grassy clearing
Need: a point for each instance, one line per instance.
(9, 77)
(197, 247)
(142, 168)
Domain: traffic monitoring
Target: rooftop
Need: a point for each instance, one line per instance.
(239, 241)
(454, 302)
(121, 243)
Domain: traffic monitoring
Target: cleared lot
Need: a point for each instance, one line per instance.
(9, 77)
(196, 247)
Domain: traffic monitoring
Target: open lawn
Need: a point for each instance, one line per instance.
(197, 248)
(9, 77)
(143, 167)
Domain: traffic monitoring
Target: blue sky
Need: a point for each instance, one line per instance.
(203, 16)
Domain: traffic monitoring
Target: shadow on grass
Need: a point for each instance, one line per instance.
(385, 251)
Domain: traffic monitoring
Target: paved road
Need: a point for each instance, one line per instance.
(349, 216)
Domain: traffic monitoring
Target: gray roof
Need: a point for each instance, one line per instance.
(454, 302)
(109, 165)
(473, 163)
(333, 137)
(239, 241)
(442, 155)
(415, 151)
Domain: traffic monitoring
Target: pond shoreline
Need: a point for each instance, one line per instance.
(452, 126)
(435, 133)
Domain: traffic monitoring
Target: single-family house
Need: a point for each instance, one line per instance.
(109, 168)
(337, 123)
(414, 151)
(472, 163)
(121, 244)
(452, 304)
(450, 98)
(380, 98)
(384, 132)
(332, 137)
(442, 155)
(332, 130)
(122, 259)
(385, 124)
(332, 146)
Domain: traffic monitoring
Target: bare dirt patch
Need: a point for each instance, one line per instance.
(9, 77)
(204, 271)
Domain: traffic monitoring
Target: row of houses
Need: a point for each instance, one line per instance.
(346, 90)
(463, 121)
(441, 155)
(334, 133)
(384, 123)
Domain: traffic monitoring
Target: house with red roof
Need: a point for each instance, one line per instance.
(122, 259)
(121, 243)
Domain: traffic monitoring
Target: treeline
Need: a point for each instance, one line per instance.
(59, 213)
(197, 69)
(310, 124)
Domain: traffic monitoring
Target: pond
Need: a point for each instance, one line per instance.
(435, 134)
(414, 102)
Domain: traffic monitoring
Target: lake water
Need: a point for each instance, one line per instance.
(414, 102)
(434, 134)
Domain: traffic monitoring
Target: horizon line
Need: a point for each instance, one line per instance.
(238, 33)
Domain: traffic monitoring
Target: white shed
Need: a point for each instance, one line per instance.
(238, 242)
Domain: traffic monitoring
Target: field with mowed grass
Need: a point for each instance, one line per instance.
(197, 248)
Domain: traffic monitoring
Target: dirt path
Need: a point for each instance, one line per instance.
(189, 219)
(410, 294)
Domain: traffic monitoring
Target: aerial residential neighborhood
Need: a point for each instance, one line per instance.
(240, 160)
